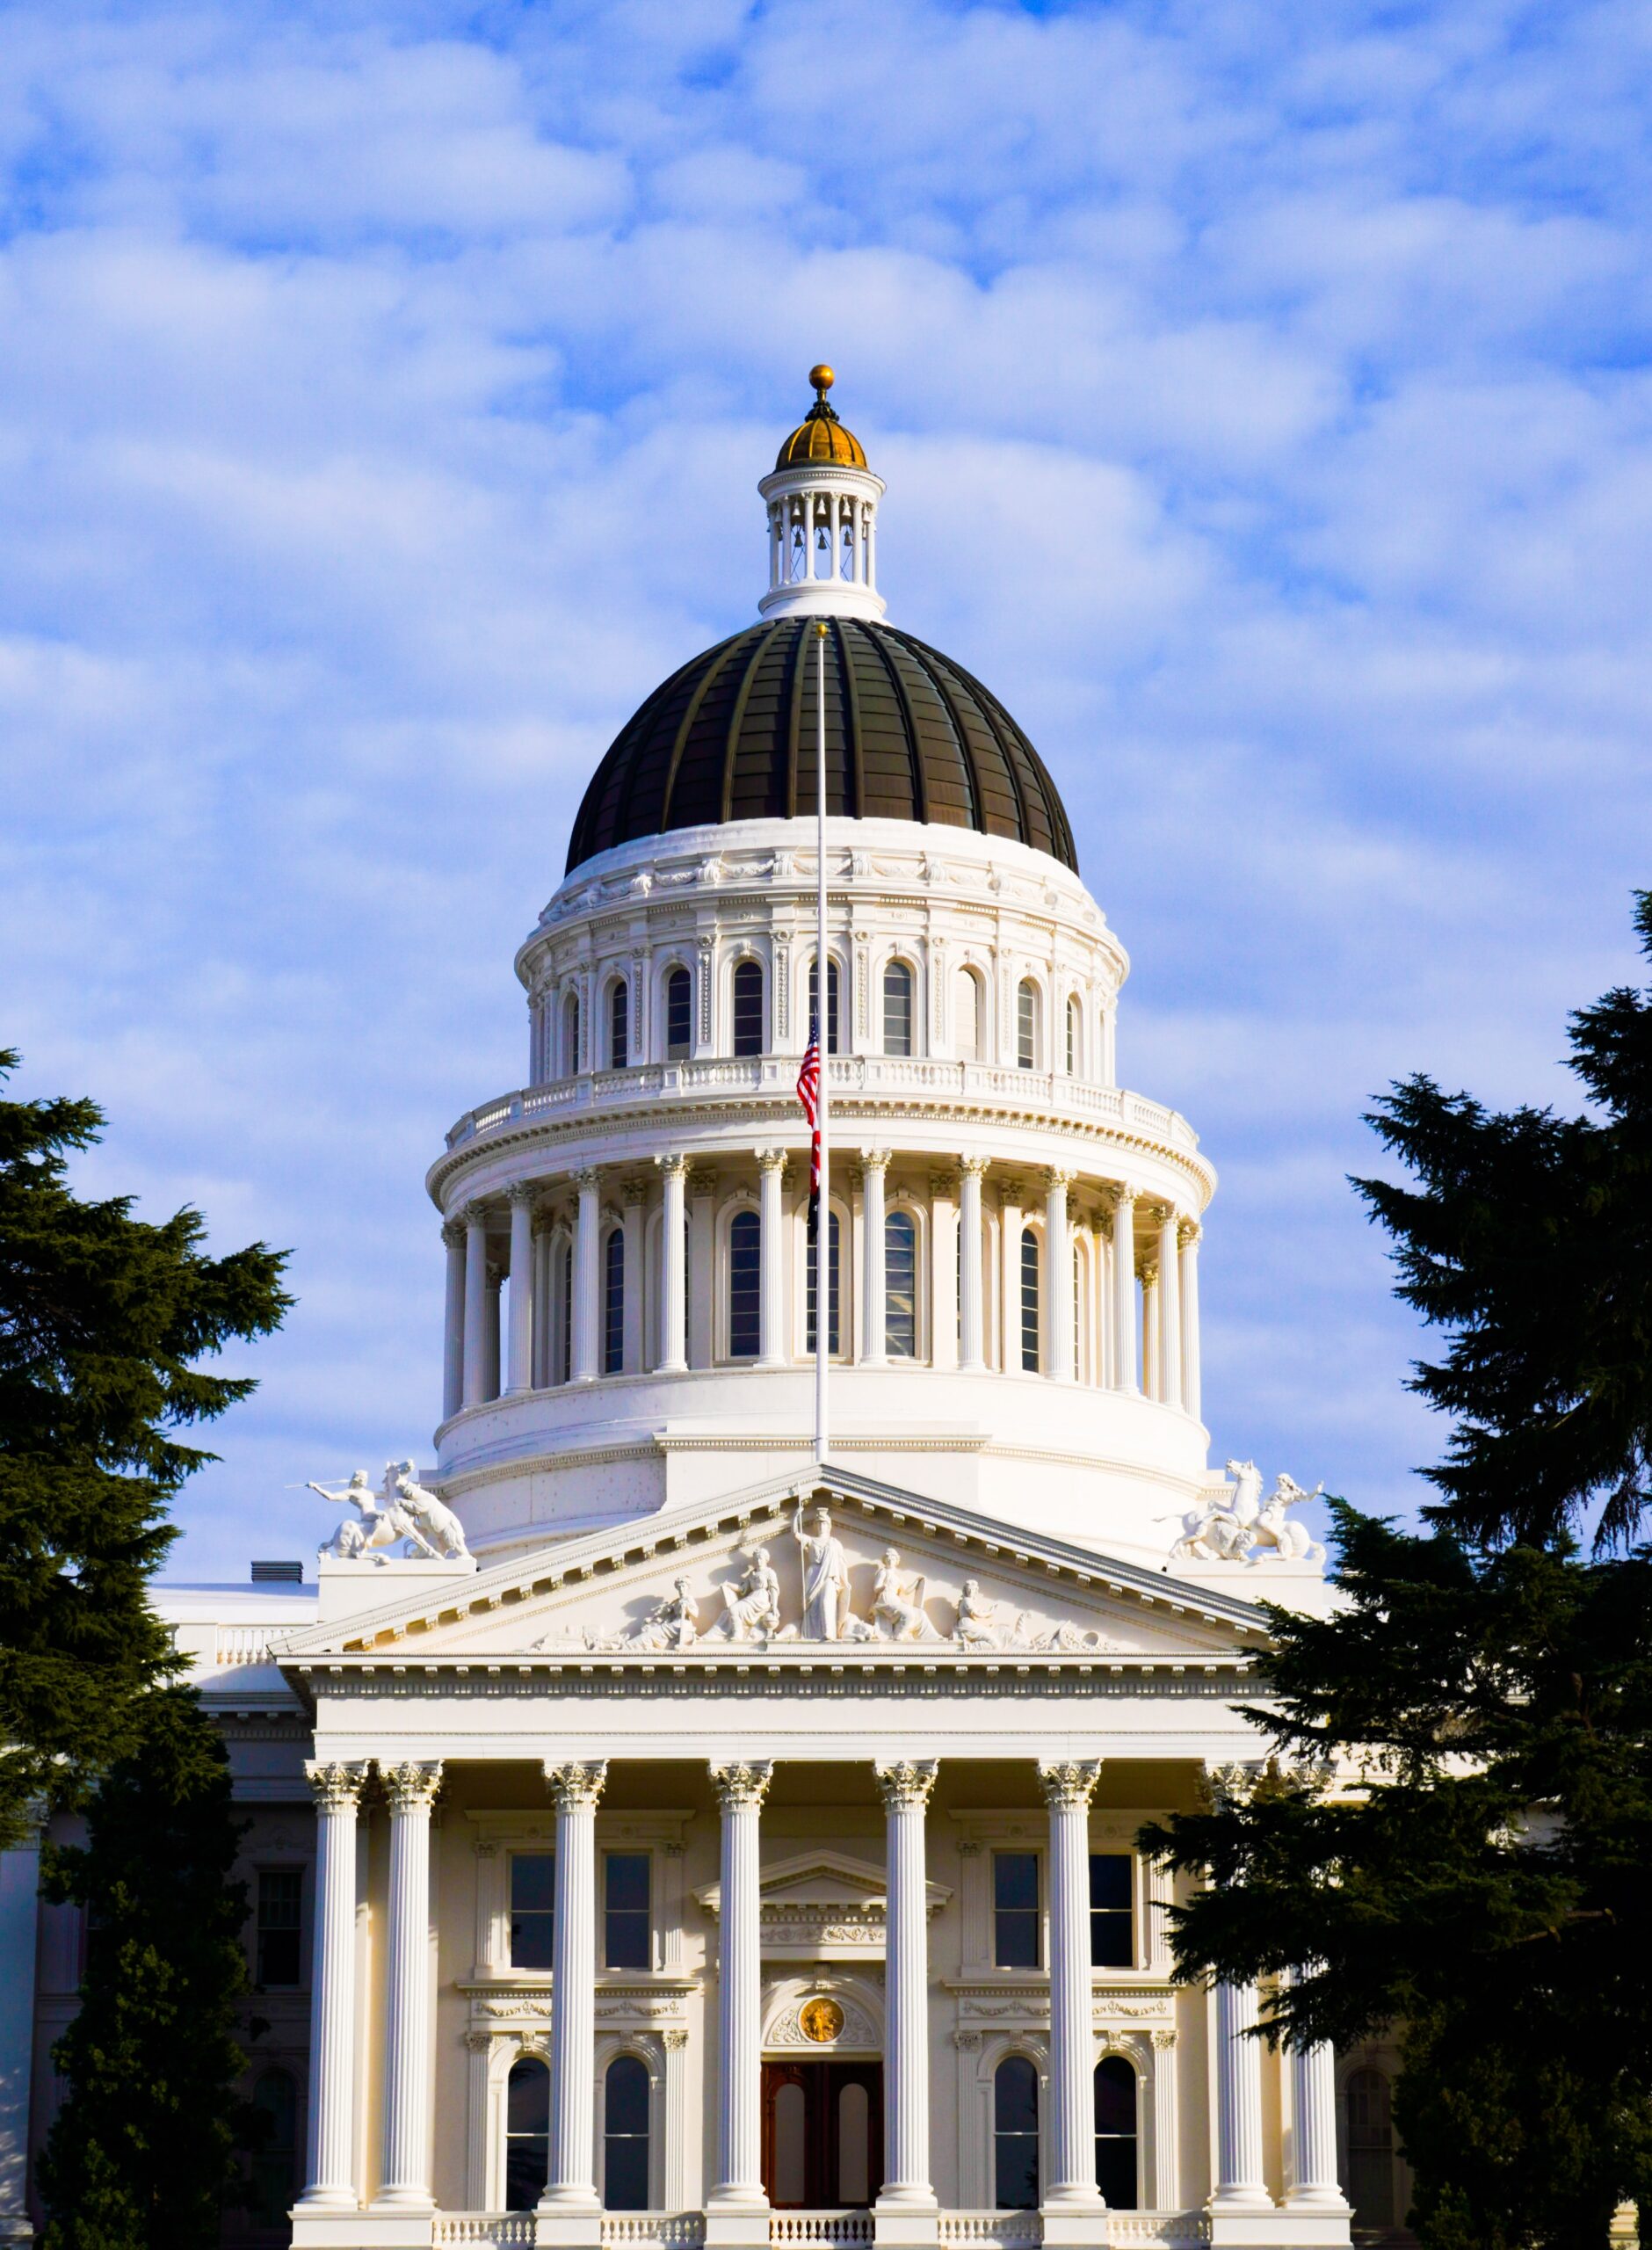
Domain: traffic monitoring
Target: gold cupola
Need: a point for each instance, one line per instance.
(822, 511)
(819, 436)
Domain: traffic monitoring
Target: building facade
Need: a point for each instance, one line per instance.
(658, 1833)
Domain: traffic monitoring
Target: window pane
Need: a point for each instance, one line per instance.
(628, 1932)
(1015, 2102)
(1015, 1898)
(832, 1000)
(679, 1003)
(614, 1303)
(1072, 1037)
(968, 1037)
(275, 2160)
(1029, 1300)
(834, 1338)
(570, 1035)
(745, 1283)
(533, 1905)
(899, 1285)
(619, 1028)
(854, 2146)
(1026, 1027)
(527, 2135)
(627, 2095)
(748, 1024)
(1116, 2132)
(625, 2136)
(897, 1009)
(280, 1893)
(790, 2122)
(1370, 2183)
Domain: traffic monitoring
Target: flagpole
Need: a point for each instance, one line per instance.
(822, 987)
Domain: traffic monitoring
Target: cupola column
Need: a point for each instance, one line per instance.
(1169, 1309)
(770, 1295)
(673, 1261)
(453, 1322)
(570, 2189)
(1123, 1292)
(1058, 1274)
(970, 1353)
(587, 1307)
(1068, 1786)
(872, 1348)
(1188, 1239)
(518, 1368)
(475, 1304)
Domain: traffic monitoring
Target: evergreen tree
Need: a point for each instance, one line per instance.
(1482, 1890)
(142, 2154)
(104, 1319)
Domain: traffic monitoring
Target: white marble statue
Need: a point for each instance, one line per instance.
(978, 1626)
(671, 1624)
(752, 1603)
(1239, 1527)
(825, 1579)
(438, 1524)
(897, 1604)
(401, 1514)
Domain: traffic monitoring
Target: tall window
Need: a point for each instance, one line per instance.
(619, 1025)
(1015, 2135)
(613, 1302)
(967, 1037)
(532, 1909)
(1116, 2133)
(281, 1895)
(831, 999)
(1029, 1300)
(1073, 1054)
(834, 1337)
(570, 1034)
(747, 1008)
(1112, 1917)
(897, 1008)
(627, 1935)
(527, 2134)
(625, 2134)
(1370, 2145)
(745, 1285)
(679, 1015)
(1026, 1025)
(275, 2160)
(1015, 1910)
(567, 1311)
(899, 1285)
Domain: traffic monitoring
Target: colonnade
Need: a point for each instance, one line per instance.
(1134, 1295)
(740, 1787)
(851, 522)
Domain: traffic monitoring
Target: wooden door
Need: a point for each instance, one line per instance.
(823, 2135)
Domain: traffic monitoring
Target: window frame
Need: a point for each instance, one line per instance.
(611, 1853)
(614, 1281)
(629, 2056)
(1125, 1915)
(898, 1215)
(737, 971)
(297, 1928)
(671, 1049)
(1133, 2136)
(1013, 2056)
(833, 1027)
(1030, 1305)
(546, 1915)
(1026, 1024)
(1035, 1913)
(617, 1023)
(896, 965)
(737, 1215)
(522, 2061)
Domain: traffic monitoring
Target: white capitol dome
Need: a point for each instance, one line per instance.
(1017, 1314)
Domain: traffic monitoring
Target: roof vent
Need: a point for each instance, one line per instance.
(278, 1574)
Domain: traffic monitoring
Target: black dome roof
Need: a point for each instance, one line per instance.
(910, 736)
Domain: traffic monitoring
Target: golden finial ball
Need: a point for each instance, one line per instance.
(822, 377)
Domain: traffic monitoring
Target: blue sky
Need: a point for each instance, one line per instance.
(1264, 398)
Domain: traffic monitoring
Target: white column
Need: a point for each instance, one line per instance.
(970, 1351)
(453, 1322)
(570, 2185)
(1068, 1785)
(518, 1370)
(475, 1304)
(943, 1323)
(906, 1787)
(837, 531)
(1313, 2168)
(673, 1356)
(702, 1259)
(739, 2183)
(876, 1162)
(677, 2127)
(1010, 1192)
(1188, 1239)
(20, 1939)
(1169, 1309)
(331, 2181)
(1167, 2170)
(587, 1307)
(634, 1206)
(1124, 1293)
(1239, 2178)
(544, 1371)
(411, 1789)
(1058, 1275)
(771, 1289)
(872, 547)
(491, 1334)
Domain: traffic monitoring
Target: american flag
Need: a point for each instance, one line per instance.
(808, 1094)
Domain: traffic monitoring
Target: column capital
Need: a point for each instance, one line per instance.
(943, 1183)
(673, 2042)
(1063, 1176)
(575, 1785)
(453, 1233)
(973, 1167)
(742, 1786)
(1148, 1269)
(1068, 1783)
(702, 1183)
(546, 1216)
(770, 1159)
(411, 1784)
(1124, 1198)
(634, 1191)
(674, 1166)
(588, 1180)
(1187, 1233)
(907, 1782)
(474, 1215)
(875, 1159)
(335, 1786)
(522, 1191)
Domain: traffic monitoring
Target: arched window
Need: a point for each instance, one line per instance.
(527, 2134)
(619, 1025)
(1029, 1300)
(679, 1015)
(613, 1302)
(1370, 2145)
(1015, 2135)
(899, 1285)
(745, 1285)
(897, 1008)
(625, 2134)
(1074, 1054)
(570, 1034)
(967, 1038)
(832, 1000)
(1026, 1025)
(1116, 2133)
(567, 1370)
(748, 1027)
(275, 2157)
(833, 1294)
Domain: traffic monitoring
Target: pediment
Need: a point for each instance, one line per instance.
(822, 1903)
(732, 1580)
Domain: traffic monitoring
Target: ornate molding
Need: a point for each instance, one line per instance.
(575, 1786)
(335, 1786)
(1068, 1783)
(743, 1787)
(907, 1783)
(411, 1785)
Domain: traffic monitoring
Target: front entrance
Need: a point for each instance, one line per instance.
(823, 2135)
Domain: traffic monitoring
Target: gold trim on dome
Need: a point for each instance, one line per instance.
(820, 437)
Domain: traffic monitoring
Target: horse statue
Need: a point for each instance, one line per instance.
(1241, 1526)
(400, 1513)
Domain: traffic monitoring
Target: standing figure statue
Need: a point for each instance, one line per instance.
(825, 1578)
(752, 1603)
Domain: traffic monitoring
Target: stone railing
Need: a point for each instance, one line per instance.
(249, 1644)
(1163, 2230)
(819, 2230)
(482, 2230)
(611, 1093)
(654, 2230)
(994, 2230)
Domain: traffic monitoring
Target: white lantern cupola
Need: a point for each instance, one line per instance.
(822, 504)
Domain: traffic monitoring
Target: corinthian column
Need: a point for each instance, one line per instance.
(1068, 1785)
(906, 1787)
(1124, 1293)
(453, 1323)
(873, 1340)
(673, 1263)
(411, 1790)
(1239, 2185)
(570, 2187)
(739, 2183)
(331, 2183)
(1169, 1309)
(519, 1374)
(1312, 2183)
(475, 1305)
(1188, 1239)
(587, 1306)
(1058, 1274)
(770, 1307)
(971, 1354)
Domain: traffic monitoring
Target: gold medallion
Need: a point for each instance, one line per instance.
(821, 2019)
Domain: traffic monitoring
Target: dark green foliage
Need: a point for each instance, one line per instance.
(142, 2156)
(1529, 1237)
(103, 1320)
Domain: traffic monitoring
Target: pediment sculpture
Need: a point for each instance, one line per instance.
(1241, 1526)
(403, 1519)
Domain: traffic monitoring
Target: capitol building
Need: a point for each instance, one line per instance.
(664, 1831)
